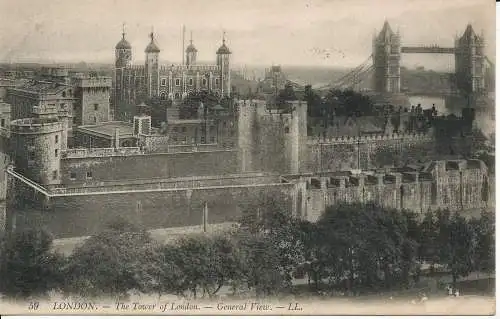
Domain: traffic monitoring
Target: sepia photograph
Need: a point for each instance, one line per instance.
(249, 157)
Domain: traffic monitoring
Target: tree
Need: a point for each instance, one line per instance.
(204, 263)
(111, 262)
(29, 266)
(348, 103)
(365, 245)
(484, 239)
(276, 236)
(191, 104)
(455, 244)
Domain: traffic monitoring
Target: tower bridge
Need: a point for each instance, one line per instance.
(383, 66)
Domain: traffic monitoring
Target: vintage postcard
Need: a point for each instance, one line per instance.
(250, 157)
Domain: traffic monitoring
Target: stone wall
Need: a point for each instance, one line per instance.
(75, 171)
(74, 216)
(368, 152)
(455, 185)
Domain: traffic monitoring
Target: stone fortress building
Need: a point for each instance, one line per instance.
(135, 83)
(213, 168)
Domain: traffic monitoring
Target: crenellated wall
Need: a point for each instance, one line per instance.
(366, 152)
(456, 185)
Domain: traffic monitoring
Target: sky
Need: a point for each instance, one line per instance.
(258, 32)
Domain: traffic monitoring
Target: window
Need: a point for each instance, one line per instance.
(56, 152)
(54, 174)
(204, 82)
(96, 107)
(31, 155)
(177, 82)
(287, 130)
(163, 82)
(3, 123)
(212, 139)
(183, 129)
(63, 106)
(216, 82)
(74, 120)
(63, 94)
(89, 174)
(163, 96)
(57, 139)
(191, 82)
(177, 95)
(72, 175)
(95, 119)
(203, 140)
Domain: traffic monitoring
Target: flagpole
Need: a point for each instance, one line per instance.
(183, 41)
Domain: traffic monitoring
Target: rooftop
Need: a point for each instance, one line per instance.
(107, 129)
(43, 87)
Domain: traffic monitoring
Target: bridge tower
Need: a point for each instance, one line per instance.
(470, 63)
(386, 61)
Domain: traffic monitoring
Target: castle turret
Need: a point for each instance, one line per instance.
(191, 53)
(223, 57)
(123, 61)
(386, 60)
(152, 69)
(37, 144)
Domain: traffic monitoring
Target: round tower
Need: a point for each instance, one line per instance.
(152, 68)
(191, 52)
(223, 60)
(37, 144)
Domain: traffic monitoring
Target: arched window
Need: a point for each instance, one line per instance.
(190, 82)
(163, 96)
(177, 95)
(204, 82)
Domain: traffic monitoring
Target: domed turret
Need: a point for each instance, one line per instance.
(223, 84)
(223, 48)
(123, 44)
(123, 52)
(152, 47)
(191, 52)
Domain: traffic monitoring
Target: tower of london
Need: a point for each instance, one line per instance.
(135, 83)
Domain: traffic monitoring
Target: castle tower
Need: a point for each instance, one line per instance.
(152, 69)
(223, 57)
(123, 61)
(37, 148)
(470, 62)
(386, 61)
(191, 52)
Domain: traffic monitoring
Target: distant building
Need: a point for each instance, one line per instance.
(134, 84)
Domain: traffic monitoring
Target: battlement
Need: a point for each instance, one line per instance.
(368, 138)
(35, 125)
(393, 176)
(87, 82)
(100, 152)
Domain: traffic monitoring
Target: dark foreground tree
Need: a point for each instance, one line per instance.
(29, 268)
(111, 263)
(270, 240)
(365, 246)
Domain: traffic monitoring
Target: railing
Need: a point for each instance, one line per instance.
(100, 152)
(28, 182)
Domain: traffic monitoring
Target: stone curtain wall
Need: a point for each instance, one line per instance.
(344, 153)
(75, 216)
(142, 166)
(462, 189)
